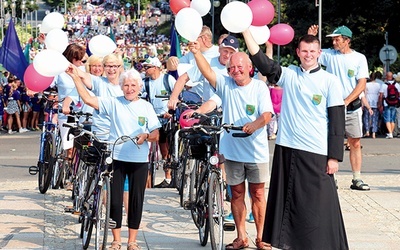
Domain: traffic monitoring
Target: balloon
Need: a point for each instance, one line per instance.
(260, 33)
(236, 17)
(263, 12)
(202, 6)
(35, 81)
(50, 62)
(177, 5)
(56, 39)
(101, 45)
(281, 34)
(53, 20)
(188, 23)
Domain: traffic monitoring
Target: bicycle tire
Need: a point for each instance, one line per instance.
(103, 214)
(187, 183)
(152, 164)
(215, 212)
(58, 164)
(86, 229)
(46, 167)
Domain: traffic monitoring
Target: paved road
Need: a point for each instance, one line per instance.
(30, 220)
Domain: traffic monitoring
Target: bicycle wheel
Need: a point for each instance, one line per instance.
(86, 229)
(59, 170)
(187, 182)
(46, 167)
(103, 214)
(215, 212)
(153, 163)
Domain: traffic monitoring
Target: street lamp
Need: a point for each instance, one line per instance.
(215, 4)
(2, 18)
(13, 5)
(23, 8)
(32, 3)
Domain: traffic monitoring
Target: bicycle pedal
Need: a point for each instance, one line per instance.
(112, 224)
(33, 170)
(69, 209)
(229, 226)
(76, 213)
(189, 205)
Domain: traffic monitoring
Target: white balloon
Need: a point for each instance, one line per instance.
(260, 33)
(236, 17)
(56, 39)
(101, 45)
(53, 20)
(202, 6)
(188, 23)
(50, 62)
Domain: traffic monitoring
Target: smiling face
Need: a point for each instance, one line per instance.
(308, 54)
(112, 68)
(131, 89)
(225, 54)
(239, 68)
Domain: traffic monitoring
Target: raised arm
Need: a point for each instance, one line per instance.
(178, 87)
(92, 101)
(202, 64)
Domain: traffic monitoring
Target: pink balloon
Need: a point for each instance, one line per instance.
(35, 81)
(177, 5)
(281, 34)
(263, 12)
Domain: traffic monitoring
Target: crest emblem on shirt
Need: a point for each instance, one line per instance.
(250, 109)
(141, 120)
(350, 73)
(316, 99)
(164, 92)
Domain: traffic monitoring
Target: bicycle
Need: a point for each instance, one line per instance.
(49, 141)
(208, 207)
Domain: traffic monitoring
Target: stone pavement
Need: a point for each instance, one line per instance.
(30, 220)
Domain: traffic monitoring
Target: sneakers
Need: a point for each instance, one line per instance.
(358, 184)
(163, 184)
(229, 218)
(11, 132)
(389, 136)
(251, 218)
(23, 130)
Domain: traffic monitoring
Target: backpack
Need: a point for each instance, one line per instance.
(392, 97)
(166, 85)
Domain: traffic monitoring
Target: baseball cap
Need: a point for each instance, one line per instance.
(152, 61)
(230, 42)
(341, 31)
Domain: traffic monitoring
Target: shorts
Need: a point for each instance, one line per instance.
(389, 114)
(353, 125)
(238, 172)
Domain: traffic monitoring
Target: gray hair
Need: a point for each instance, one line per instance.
(131, 74)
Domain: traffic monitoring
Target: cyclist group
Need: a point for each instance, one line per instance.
(224, 78)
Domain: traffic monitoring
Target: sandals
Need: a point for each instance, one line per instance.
(238, 244)
(262, 245)
(359, 185)
(133, 246)
(115, 245)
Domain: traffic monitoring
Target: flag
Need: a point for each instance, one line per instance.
(11, 55)
(88, 52)
(112, 36)
(175, 48)
(26, 52)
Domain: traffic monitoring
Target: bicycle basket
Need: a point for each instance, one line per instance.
(81, 141)
(91, 154)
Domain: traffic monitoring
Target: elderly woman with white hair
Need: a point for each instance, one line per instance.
(132, 116)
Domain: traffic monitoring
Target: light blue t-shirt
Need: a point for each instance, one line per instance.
(156, 87)
(306, 97)
(348, 67)
(241, 105)
(129, 118)
(101, 87)
(196, 76)
(189, 59)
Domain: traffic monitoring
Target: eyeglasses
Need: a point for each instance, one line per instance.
(148, 67)
(112, 66)
(83, 61)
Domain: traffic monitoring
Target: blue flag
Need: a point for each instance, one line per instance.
(88, 52)
(11, 55)
(175, 48)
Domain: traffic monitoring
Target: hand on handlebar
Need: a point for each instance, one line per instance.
(249, 128)
(172, 103)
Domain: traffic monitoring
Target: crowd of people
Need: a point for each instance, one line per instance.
(306, 109)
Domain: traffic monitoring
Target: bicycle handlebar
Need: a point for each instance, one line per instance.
(210, 130)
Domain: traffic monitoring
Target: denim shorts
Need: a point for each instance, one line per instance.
(389, 114)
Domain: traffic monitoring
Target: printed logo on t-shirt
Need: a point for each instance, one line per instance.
(316, 99)
(350, 73)
(164, 92)
(250, 109)
(141, 120)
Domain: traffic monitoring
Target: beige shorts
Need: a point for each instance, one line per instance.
(238, 172)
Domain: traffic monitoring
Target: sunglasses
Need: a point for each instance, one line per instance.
(148, 67)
